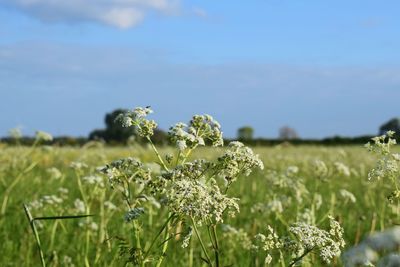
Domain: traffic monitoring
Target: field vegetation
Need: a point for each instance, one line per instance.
(196, 204)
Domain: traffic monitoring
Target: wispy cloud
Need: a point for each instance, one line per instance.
(117, 13)
(80, 83)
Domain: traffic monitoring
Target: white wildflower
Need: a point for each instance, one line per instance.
(110, 206)
(348, 196)
(186, 239)
(15, 133)
(310, 237)
(79, 205)
(54, 173)
(342, 169)
(43, 136)
(320, 168)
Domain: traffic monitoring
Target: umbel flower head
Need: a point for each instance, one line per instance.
(126, 170)
(187, 189)
(238, 159)
(328, 243)
(137, 119)
(200, 129)
(387, 165)
(200, 201)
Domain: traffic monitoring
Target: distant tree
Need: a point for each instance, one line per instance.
(245, 133)
(287, 133)
(114, 132)
(391, 125)
(159, 137)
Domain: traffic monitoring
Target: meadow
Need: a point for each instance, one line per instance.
(27, 175)
(303, 193)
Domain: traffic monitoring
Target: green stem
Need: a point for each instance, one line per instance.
(36, 234)
(300, 257)
(165, 247)
(216, 249)
(201, 241)
(165, 225)
(188, 153)
(12, 185)
(158, 154)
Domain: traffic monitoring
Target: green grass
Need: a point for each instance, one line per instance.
(24, 177)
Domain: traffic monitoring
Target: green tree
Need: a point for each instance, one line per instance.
(391, 125)
(245, 133)
(287, 133)
(113, 132)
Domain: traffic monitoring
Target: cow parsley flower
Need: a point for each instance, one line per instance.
(79, 205)
(320, 169)
(137, 118)
(186, 239)
(54, 173)
(238, 238)
(200, 129)
(203, 203)
(328, 243)
(342, 169)
(110, 206)
(15, 133)
(119, 170)
(387, 166)
(43, 136)
(348, 196)
(238, 159)
(93, 180)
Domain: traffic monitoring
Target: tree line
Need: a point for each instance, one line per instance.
(115, 134)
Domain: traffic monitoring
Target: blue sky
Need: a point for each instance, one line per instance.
(321, 67)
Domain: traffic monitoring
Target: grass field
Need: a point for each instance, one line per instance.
(279, 196)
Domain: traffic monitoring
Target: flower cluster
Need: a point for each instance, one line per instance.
(122, 171)
(50, 200)
(238, 238)
(320, 169)
(200, 129)
(347, 196)
(200, 201)
(137, 119)
(267, 242)
(93, 180)
(387, 165)
(186, 189)
(15, 133)
(328, 243)
(342, 169)
(289, 182)
(43, 136)
(238, 159)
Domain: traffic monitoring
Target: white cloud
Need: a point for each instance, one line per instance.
(117, 13)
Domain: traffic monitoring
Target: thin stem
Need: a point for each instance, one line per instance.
(36, 234)
(216, 249)
(165, 246)
(12, 185)
(300, 257)
(158, 154)
(158, 235)
(201, 241)
(188, 153)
